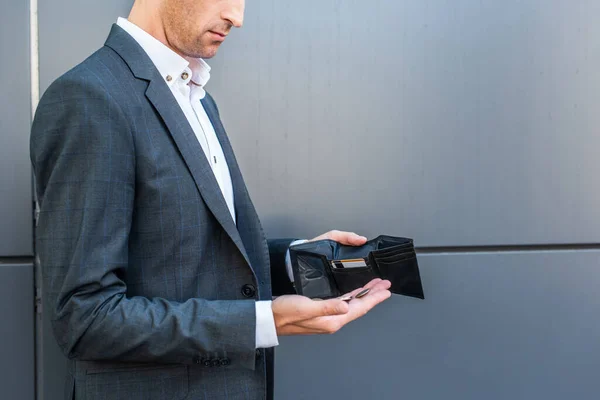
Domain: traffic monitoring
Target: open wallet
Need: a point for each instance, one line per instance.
(325, 269)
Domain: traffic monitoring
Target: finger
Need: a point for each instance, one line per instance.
(321, 309)
(302, 330)
(328, 307)
(359, 307)
(348, 238)
(310, 309)
(331, 235)
(360, 289)
(380, 285)
(373, 286)
(372, 299)
(328, 324)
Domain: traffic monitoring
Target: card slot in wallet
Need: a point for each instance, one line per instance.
(349, 279)
(404, 276)
(388, 242)
(394, 250)
(396, 257)
(350, 263)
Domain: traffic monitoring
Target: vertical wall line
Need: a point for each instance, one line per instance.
(34, 57)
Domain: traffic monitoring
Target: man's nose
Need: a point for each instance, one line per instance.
(234, 13)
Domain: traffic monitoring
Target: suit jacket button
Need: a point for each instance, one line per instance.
(196, 360)
(216, 363)
(258, 353)
(225, 362)
(249, 291)
(207, 363)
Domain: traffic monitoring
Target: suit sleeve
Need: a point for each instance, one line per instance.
(83, 157)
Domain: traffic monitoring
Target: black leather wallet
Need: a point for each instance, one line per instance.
(326, 269)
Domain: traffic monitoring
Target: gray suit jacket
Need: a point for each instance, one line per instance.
(150, 284)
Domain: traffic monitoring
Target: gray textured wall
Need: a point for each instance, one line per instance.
(456, 123)
(17, 343)
(15, 116)
(17, 367)
(493, 326)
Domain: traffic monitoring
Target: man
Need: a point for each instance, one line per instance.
(158, 275)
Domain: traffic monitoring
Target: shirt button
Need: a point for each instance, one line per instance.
(248, 291)
(258, 353)
(184, 76)
(169, 78)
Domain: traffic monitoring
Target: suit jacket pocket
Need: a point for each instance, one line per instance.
(138, 383)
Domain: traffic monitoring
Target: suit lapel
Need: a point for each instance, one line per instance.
(159, 94)
(248, 222)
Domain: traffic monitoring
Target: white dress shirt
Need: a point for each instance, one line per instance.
(186, 78)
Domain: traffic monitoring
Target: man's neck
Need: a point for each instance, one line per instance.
(149, 20)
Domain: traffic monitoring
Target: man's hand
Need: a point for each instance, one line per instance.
(347, 238)
(299, 315)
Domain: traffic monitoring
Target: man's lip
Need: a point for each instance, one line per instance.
(219, 34)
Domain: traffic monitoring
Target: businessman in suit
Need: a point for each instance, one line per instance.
(158, 275)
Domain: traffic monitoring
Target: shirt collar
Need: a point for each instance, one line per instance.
(170, 65)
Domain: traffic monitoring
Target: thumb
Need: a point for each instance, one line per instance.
(351, 238)
(331, 307)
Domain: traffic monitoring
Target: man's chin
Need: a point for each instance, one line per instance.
(206, 52)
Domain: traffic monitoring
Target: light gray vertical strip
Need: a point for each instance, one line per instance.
(34, 57)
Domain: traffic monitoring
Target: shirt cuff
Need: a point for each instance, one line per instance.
(288, 261)
(266, 333)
